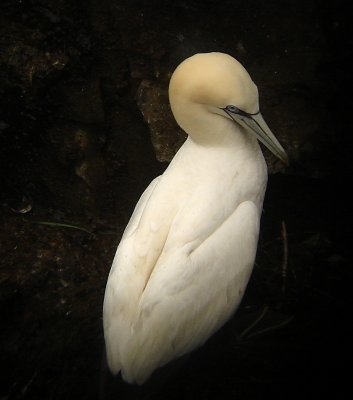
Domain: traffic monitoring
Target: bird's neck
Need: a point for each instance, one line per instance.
(210, 132)
(225, 147)
(214, 131)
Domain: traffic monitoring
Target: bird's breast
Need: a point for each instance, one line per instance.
(195, 195)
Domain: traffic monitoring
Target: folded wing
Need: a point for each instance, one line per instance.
(154, 316)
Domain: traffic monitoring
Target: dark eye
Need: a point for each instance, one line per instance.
(232, 109)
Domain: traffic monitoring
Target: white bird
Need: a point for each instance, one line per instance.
(186, 256)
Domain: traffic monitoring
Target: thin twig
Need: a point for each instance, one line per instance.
(29, 383)
(285, 257)
(271, 328)
(251, 326)
(61, 225)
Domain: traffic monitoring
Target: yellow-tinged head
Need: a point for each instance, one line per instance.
(209, 84)
(214, 79)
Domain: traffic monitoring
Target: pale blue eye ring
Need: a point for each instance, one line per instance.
(233, 109)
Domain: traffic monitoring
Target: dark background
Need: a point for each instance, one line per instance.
(85, 126)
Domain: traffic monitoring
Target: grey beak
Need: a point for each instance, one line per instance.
(255, 124)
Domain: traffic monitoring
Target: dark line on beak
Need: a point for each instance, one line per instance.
(240, 112)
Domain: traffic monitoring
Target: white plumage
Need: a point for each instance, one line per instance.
(186, 256)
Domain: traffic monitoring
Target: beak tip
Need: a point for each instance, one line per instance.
(286, 161)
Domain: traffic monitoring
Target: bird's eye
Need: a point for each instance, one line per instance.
(232, 109)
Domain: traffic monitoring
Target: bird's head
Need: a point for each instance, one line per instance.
(210, 84)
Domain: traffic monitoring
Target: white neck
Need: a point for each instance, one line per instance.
(207, 126)
(214, 131)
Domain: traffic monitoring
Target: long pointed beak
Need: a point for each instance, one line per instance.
(256, 125)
